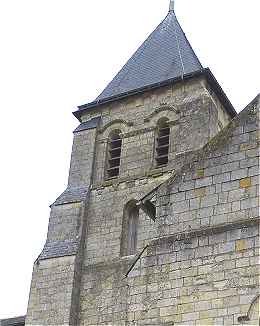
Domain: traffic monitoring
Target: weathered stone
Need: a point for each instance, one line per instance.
(245, 183)
(175, 243)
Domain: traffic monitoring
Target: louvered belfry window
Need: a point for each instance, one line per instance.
(162, 144)
(114, 154)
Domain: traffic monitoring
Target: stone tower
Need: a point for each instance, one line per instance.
(109, 257)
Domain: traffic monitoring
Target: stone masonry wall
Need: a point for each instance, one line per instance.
(54, 295)
(51, 292)
(82, 158)
(200, 264)
(193, 118)
(92, 206)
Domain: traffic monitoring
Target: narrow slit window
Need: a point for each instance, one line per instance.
(162, 145)
(114, 155)
(130, 229)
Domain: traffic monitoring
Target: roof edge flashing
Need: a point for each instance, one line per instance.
(139, 90)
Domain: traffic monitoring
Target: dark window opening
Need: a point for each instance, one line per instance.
(132, 231)
(130, 228)
(114, 155)
(162, 145)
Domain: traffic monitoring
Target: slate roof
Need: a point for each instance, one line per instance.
(72, 195)
(17, 321)
(59, 248)
(166, 54)
(67, 247)
(90, 124)
(166, 57)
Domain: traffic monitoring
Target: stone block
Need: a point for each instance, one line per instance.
(181, 206)
(223, 198)
(200, 173)
(190, 316)
(187, 185)
(230, 167)
(207, 181)
(168, 311)
(232, 185)
(222, 209)
(250, 203)
(195, 203)
(217, 303)
(236, 157)
(224, 247)
(249, 162)
(208, 314)
(245, 183)
(242, 262)
(235, 195)
(239, 174)
(205, 322)
(240, 245)
(209, 200)
(224, 177)
(203, 305)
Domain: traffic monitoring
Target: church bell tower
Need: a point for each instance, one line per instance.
(162, 105)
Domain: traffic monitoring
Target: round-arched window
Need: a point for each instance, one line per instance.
(162, 143)
(113, 154)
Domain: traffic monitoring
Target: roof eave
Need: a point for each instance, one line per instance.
(220, 93)
(204, 71)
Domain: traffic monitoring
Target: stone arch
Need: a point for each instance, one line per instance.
(113, 155)
(171, 112)
(121, 124)
(129, 228)
(162, 142)
(162, 121)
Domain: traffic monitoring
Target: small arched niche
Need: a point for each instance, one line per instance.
(129, 228)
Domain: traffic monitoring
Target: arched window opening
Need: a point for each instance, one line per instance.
(130, 228)
(162, 144)
(114, 154)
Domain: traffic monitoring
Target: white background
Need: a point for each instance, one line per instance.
(57, 54)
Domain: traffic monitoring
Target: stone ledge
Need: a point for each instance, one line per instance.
(215, 229)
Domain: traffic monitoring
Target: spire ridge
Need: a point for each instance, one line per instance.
(171, 7)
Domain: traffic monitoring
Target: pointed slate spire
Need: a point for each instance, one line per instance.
(166, 54)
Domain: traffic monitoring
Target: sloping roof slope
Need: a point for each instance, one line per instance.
(17, 321)
(166, 54)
